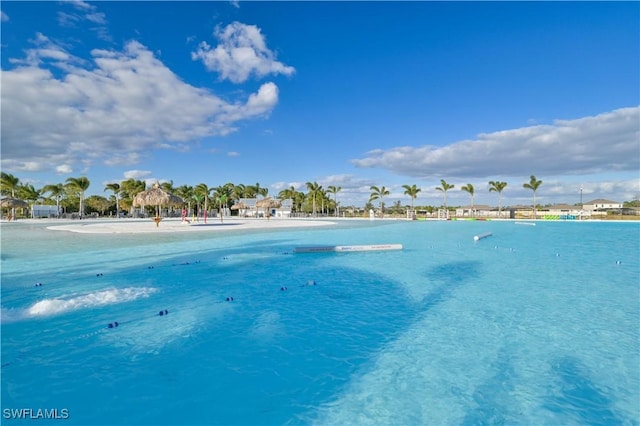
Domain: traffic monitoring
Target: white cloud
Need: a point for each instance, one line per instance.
(96, 18)
(607, 142)
(242, 52)
(68, 19)
(85, 12)
(79, 4)
(122, 159)
(115, 109)
(3, 16)
(64, 169)
(136, 174)
(233, 154)
(31, 166)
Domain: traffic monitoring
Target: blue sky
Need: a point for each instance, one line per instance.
(350, 94)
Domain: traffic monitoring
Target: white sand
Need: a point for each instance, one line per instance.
(140, 226)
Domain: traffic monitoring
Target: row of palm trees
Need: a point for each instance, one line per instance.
(74, 189)
(198, 197)
(378, 193)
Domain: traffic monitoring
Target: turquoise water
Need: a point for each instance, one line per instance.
(532, 325)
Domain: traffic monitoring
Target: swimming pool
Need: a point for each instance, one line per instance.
(532, 325)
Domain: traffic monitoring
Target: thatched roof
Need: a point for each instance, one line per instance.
(13, 203)
(268, 203)
(156, 196)
(239, 206)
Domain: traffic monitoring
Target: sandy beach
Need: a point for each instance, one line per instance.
(141, 226)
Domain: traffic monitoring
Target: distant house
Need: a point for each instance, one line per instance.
(602, 205)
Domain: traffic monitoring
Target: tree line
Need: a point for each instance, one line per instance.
(70, 195)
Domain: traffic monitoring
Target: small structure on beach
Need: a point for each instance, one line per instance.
(13, 204)
(253, 207)
(156, 196)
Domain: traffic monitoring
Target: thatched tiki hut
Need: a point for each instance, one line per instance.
(241, 207)
(13, 203)
(156, 196)
(267, 204)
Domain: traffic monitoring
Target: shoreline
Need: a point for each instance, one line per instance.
(175, 225)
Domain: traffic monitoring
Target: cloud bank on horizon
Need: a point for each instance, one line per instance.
(608, 142)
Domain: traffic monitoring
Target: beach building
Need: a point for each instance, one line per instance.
(247, 208)
(42, 211)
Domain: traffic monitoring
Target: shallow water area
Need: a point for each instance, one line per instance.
(531, 325)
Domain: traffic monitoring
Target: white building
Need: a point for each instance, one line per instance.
(250, 209)
(39, 211)
(602, 204)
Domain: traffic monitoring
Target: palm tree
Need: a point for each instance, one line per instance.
(223, 194)
(29, 193)
(115, 187)
(186, 193)
(379, 194)
(203, 190)
(9, 184)
(238, 191)
(412, 191)
(168, 186)
(314, 190)
(224, 190)
(332, 189)
(497, 186)
(397, 207)
(298, 200)
(288, 193)
(255, 190)
(533, 185)
(79, 185)
(197, 197)
(324, 200)
(444, 188)
(469, 188)
(57, 191)
(129, 189)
